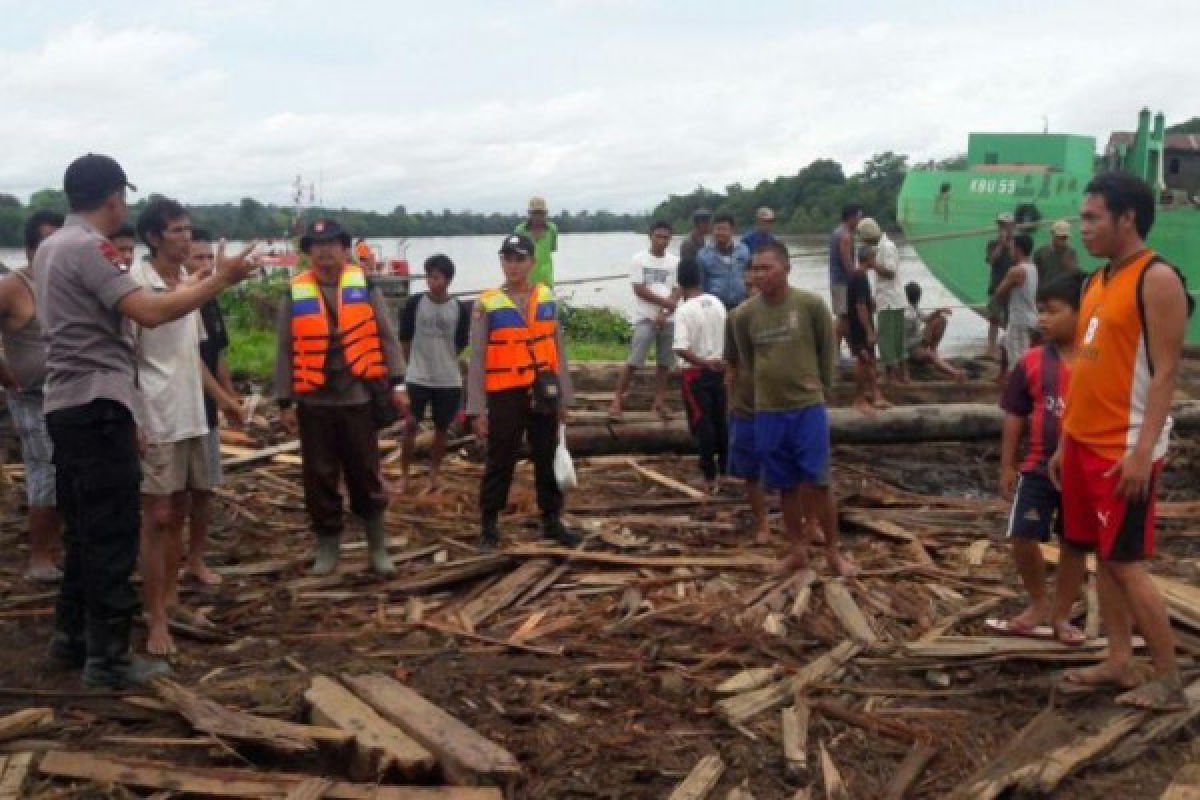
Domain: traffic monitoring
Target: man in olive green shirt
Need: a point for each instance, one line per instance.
(1058, 257)
(544, 234)
(785, 338)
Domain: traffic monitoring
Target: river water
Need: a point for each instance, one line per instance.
(607, 255)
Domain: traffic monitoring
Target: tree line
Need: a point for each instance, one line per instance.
(806, 202)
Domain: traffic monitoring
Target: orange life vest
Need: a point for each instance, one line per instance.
(519, 345)
(357, 331)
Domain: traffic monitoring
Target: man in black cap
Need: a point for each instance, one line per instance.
(337, 353)
(86, 299)
(518, 386)
(702, 220)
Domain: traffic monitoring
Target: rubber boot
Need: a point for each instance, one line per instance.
(329, 547)
(489, 537)
(377, 554)
(553, 529)
(110, 663)
(67, 651)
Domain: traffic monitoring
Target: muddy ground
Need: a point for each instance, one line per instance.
(630, 704)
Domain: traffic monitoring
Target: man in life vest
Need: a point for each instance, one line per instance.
(518, 385)
(336, 353)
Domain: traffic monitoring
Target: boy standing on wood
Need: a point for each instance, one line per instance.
(743, 460)
(434, 328)
(700, 341)
(785, 337)
(1116, 429)
(1034, 400)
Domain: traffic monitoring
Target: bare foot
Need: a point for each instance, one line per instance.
(401, 486)
(1029, 618)
(615, 411)
(864, 408)
(1126, 676)
(1068, 634)
(158, 639)
(662, 411)
(841, 563)
(882, 403)
(1163, 693)
(762, 534)
(793, 562)
(43, 572)
(816, 535)
(200, 571)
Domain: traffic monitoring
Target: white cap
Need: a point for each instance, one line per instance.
(869, 230)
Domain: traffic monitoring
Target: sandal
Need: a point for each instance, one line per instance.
(1010, 627)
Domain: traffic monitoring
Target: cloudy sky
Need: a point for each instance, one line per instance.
(593, 103)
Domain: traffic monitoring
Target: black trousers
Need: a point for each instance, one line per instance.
(337, 441)
(98, 480)
(510, 419)
(704, 401)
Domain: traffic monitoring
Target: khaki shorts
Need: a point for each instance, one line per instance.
(174, 466)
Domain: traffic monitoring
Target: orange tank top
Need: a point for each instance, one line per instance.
(1110, 377)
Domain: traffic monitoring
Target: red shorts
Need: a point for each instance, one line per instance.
(1095, 517)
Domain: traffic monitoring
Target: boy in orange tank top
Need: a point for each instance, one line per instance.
(1128, 345)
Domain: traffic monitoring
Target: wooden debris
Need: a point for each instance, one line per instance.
(311, 789)
(24, 722)
(950, 647)
(670, 483)
(1017, 759)
(849, 614)
(231, 782)
(714, 562)
(742, 707)
(208, 716)
(831, 779)
(1185, 786)
(379, 745)
(503, 594)
(701, 780)
(465, 756)
(909, 771)
(794, 728)
(869, 722)
(13, 770)
(748, 679)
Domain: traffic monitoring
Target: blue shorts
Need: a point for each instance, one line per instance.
(1036, 510)
(793, 446)
(743, 456)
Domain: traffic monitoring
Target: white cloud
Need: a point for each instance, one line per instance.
(589, 104)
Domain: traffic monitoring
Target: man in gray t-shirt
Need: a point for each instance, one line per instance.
(85, 300)
(434, 329)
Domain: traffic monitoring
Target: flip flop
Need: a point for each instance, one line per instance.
(1006, 627)
(1161, 694)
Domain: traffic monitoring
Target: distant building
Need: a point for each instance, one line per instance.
(1181, 159)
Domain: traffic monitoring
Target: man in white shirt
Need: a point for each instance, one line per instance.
(700, 342)
(890, 300)
(170, 414)
(653, 279)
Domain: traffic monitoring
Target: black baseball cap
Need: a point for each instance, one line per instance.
(90, 179)
(517, 243)
(323, 229)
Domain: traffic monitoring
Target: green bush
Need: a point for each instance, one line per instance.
(595, 325)
(254, 305)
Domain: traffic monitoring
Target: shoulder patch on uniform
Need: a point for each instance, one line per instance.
(110, 252)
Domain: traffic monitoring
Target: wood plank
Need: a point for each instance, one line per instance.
(742, 707)
(14, 768)
(232, 782)
(1185, 785)
(24, 722)
(1018, 758)
(701, 780)
(841, 602)
(948, 647)
(1057, 763)
(379, 745)
(504, 593)
(670, 483)
(831, 779)
(261, 455)
(909, 771)
(208, 716)
(311, 789)
(794, 727)
(465, 755)
(666, 562)
(893, 728)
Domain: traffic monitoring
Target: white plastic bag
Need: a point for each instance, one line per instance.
(564, 469)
